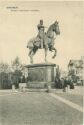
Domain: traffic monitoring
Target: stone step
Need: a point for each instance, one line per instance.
(35, 90)
(38, 86)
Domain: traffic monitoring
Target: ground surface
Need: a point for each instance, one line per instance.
(74, 95)
(38, 108)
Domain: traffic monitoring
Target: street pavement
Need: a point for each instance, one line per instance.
(39, 108)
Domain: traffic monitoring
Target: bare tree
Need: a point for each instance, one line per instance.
(17, 67)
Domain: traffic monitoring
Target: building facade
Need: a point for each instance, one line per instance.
(76, 70)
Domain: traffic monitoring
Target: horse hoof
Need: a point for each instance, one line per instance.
(54, 56)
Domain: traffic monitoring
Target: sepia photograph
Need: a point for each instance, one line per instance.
(41, 62)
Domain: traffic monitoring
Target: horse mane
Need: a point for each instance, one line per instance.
(50, 28)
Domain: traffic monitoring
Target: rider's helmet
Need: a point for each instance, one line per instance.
(41, 22)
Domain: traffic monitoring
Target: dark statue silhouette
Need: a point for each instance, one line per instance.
(44, 40)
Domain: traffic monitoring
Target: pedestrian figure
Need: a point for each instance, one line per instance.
(63, 84)
(67, 83)
(71, 84)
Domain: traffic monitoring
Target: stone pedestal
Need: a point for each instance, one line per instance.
(40, 75)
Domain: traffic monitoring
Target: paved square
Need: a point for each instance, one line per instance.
(36, 108)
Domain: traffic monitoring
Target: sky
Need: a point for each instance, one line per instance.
(18, 27)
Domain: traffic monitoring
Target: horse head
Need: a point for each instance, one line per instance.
(56, 28)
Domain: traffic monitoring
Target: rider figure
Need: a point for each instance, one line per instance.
(41, 32)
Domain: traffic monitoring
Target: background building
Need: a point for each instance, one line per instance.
(75, 70)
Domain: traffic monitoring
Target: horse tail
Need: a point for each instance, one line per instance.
(30, 43)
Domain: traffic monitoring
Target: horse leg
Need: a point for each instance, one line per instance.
(55, 51)
(41, 43)
(46, 54)
(31, 56)
(32, 53)
(31, 59)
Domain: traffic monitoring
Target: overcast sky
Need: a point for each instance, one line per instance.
(18, 27)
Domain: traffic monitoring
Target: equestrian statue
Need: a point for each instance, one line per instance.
(44, 40)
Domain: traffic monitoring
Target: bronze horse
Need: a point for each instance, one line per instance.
(35, 43)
